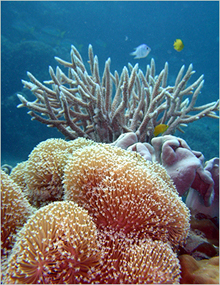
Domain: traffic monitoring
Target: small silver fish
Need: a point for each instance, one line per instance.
(141, 51)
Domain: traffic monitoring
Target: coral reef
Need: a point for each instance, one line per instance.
(103, 108)
(207, 226)
(18, 176)
(121, 219)
(184, 166)
(129, 233)
(15, 210)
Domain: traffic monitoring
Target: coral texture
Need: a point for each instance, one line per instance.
(139, 262)
(44, 171)
(15, 210)
(40, 177)
(57, 245)
(18, 176)
(125, 193)
(103, 108)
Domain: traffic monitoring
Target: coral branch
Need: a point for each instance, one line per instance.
(102, 108)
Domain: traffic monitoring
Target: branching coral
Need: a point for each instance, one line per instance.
(125, 193)
(103, 108)
(57, 245)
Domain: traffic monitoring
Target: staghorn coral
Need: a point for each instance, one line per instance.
(57, 245)
(138, 262)
(15, 210)
(124, 193)
(103, 108)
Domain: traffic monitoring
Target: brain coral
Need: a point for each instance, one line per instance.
(15, 210)
(58, 244)
(124, 193)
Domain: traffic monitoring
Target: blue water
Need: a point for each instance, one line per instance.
(34, 32)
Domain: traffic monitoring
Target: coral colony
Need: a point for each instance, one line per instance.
(101, 109)
(105, 206)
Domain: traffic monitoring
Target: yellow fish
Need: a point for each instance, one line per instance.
(160, 129)
(178, 45)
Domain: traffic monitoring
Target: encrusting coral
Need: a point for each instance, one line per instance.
(125, 193)
(15, 210)
(83, 105)
(57, 245)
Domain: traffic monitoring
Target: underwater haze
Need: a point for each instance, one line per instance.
(32, 33)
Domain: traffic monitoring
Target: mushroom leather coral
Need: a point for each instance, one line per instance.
(18, 176)
(145, 261)
(44, 171)
(57, 245)
(128, 220)
(40, 177)
(15, 210)
(124, 193)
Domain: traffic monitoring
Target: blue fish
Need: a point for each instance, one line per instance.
(141, 51)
